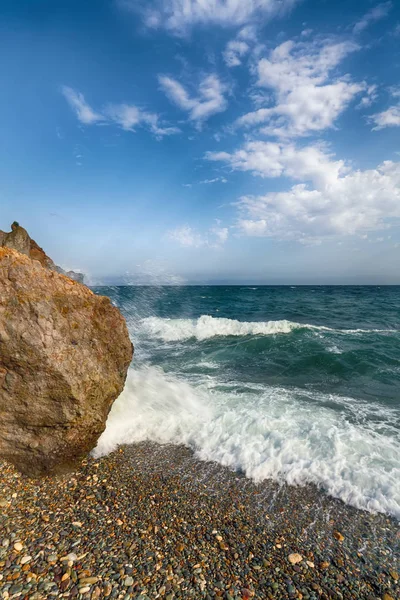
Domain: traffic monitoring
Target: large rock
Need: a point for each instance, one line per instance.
(64, 356)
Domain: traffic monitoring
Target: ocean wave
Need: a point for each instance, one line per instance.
(270, 434)
(207, 326)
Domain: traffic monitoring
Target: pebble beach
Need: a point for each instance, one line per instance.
(151, 521)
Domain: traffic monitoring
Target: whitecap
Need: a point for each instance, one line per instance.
(207, 326)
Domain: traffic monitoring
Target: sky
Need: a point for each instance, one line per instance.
(205, 141)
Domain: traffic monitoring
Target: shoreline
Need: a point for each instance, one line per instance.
(152, 521)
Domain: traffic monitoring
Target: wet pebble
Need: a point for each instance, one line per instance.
(152, 522)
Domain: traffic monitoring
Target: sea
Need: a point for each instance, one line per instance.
(298, 384)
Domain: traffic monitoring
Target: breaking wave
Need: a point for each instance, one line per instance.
(308, 394)
(206, 326)
(266, 432)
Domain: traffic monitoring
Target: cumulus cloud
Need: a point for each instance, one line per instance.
(307, 99)
(126, 116)
(179, 16)
(208, 101)
(273, 159)
(331, 199)
(357, 202)
(83, 111)
(188, 237)
(375, 14)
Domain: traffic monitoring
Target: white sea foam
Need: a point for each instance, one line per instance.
(266, 432)
(335, 350)
(206, 326)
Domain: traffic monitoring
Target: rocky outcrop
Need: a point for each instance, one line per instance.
(64, 356)
(19, 239)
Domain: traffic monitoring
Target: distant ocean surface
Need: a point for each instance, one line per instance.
(297, 384)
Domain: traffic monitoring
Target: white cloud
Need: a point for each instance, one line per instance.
(215, 180)
(126, 116)
(241, 45)
(272, 159)
(208, 101)
(357, 202)
(83, 111)
(248, 33)
(331, 199)
(371, 95)
(207, 182)
(221, 234)
(307, 99)
(375, 14)
(387, 118)
(260, 98)
(188, 237)
(179, 16)
(234, 52)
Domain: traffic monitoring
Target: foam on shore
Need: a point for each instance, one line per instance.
(286, 435)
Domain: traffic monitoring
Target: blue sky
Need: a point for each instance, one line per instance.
(205, 141)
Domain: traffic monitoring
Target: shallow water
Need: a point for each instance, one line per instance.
(298, 384)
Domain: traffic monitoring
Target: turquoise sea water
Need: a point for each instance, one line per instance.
(298, 384)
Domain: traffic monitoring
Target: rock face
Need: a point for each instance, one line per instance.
(19, 239)
(64, 356)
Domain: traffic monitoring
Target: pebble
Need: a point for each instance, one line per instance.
(90, 580)
(84, 589)
(77, 524)
(52, 558)
(338, 536)
(156, 523)
(25, 559)
(18, 546)
(295, 558)
(71, 557)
